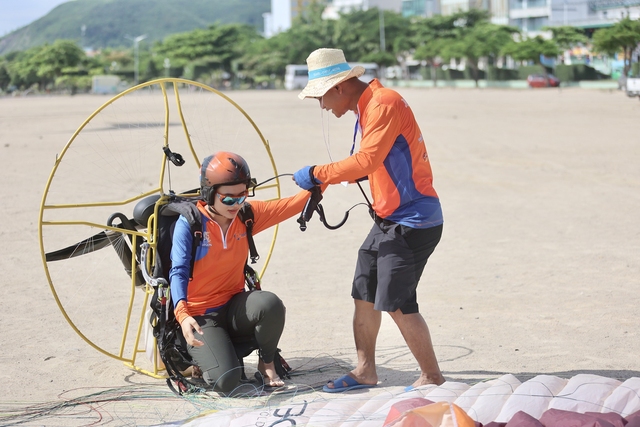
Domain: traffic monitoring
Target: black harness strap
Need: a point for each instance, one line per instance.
(246, 216)
(196, 238)
(188, 209)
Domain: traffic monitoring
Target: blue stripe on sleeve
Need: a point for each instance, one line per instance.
(180, 260)
(415, 210)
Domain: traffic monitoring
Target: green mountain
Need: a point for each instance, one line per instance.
(108, 23)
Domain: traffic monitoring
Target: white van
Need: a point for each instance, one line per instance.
(296, 76)
(107, 84)
(370, 71)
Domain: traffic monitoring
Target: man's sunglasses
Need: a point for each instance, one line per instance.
(230, 200)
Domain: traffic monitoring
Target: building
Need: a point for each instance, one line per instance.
(283, 12)
(499, 9)
(528, 15)
(345, 6)
(592, 14)
(531, 15)
(426, 8)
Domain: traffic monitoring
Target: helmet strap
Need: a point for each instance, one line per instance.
(212, 210)
(208, 193)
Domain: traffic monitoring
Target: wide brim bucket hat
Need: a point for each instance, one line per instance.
(327, 68)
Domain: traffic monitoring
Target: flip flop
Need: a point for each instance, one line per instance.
(351, 384)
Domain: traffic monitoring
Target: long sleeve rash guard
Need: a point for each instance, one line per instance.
(218, 271)
(394, 156)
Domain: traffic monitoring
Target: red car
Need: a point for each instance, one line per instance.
(542, 80)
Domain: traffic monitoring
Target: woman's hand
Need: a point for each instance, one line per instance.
(189, 325)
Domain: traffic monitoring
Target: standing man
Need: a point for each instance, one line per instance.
(405, 208)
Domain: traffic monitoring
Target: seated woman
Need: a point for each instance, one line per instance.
(213, 307)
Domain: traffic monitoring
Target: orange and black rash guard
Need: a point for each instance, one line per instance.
(393, 155)
(218, 271)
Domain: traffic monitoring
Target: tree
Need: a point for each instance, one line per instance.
(308, 32)
(623, 36)
(301, 39)
(63, 61)
(50, 60)
(358, 34)
(382, 59)
(151, 71)
(113, 60)
(482, 40)
(260, 62)
(5, 78)
(567, 37)
(430, 36)
(430, 51)
(531, 49)
(21, 69)
(214, 48)
(467, 35)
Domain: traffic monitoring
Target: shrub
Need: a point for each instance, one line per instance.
(524, 71)
(501, 74)
(450, 74)
(578, 72)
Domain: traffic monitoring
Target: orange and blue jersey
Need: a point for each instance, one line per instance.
(393, 156)
(218, 270)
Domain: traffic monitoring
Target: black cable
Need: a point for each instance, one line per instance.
(313, 205)
(271, 179)
(365, 195)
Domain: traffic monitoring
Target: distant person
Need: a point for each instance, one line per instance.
(212, 307)
(406, 210)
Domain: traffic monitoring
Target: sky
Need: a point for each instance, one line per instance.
(18, 13)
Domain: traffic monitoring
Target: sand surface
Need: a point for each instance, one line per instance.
(538, 270)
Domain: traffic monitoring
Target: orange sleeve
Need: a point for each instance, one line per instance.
(181, 312)
(269, 213)
(381, 130)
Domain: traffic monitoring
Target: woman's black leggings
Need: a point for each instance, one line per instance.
(255, 314)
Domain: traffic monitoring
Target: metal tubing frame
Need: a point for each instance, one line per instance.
(150, 234)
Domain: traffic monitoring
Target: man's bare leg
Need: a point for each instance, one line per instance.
(366, 325)
(416, 334)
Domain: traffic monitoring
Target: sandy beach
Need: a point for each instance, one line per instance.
(538, 270)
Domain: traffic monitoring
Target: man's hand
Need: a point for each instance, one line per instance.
(305, 179)
(189, 325)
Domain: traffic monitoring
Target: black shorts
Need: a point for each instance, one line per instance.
(390, 263)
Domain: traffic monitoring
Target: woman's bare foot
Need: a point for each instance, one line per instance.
(268, 371)
(197, 372)
(192, 371)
